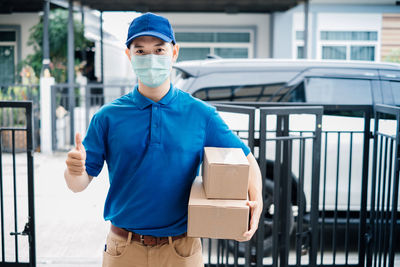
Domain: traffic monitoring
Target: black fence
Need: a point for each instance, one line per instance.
(17, 216)
(383, 234)
(324, 213)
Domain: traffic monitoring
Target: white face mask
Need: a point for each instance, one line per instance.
(152, 70)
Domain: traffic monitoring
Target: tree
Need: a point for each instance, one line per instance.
(58, 38)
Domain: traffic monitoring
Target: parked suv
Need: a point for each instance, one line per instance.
(316, 82)
(266, 80)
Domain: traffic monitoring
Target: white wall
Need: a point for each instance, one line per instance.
(282, 35)
(260, 22)
(349, 22)
(326, 16)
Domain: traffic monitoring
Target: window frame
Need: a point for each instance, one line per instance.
(299, 42)
(17, 44)
(250, 46)
(348, 44)
(238, 98)
(14, 44)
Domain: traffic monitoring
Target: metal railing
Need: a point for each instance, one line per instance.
(383, 234)
(344, 216)
(12, 187)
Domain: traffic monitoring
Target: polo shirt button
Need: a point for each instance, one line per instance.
(155, 107)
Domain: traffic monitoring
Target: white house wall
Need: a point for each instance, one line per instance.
(259, 22)
(349, 22)
(349, 16)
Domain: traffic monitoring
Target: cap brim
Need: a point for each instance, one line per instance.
(149, 33)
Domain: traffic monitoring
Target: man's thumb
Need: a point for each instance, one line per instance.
(78, 142)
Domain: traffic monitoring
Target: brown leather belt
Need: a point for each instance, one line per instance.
(147, 240)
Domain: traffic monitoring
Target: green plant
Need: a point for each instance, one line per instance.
(58, 36)
(16, 116)
(394, 56)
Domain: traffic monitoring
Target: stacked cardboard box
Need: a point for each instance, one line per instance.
(217, 204)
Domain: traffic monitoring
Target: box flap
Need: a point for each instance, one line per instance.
(198, 197)
(223, 155)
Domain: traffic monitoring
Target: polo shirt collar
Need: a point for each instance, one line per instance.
(142, 102)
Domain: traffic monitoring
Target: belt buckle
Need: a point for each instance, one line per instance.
(142, 239)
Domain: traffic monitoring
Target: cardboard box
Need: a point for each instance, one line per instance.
(225, 173)
(215, 218)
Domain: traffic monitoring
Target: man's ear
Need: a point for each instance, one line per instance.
(127, 52)
(175, 52)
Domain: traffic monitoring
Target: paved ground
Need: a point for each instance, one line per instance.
(70, 230)
(69, 226)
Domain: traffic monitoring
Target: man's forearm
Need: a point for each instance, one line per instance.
(77, 183)
(255, 182)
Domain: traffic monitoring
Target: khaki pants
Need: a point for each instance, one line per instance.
(124, 252)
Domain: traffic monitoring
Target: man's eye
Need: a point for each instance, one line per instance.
(160, 50)
(139, 51)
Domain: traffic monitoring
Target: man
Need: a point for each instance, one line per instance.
(153, 139)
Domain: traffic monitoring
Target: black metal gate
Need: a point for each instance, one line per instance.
(272, 237)
(230, 252)
(17, 216)
(382, 235)
(328, 224)
(282, 178)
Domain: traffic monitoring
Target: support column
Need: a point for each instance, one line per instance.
(46, 81)
(306, 2)
(46, 50)
(101, 48)
(46, 132)
(84, 54)
(71, 76)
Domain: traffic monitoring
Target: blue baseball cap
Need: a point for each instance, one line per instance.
(151, 25)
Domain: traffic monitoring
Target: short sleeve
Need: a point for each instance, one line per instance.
(218, 134)
(94, 143)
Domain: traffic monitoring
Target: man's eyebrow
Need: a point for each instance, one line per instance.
(140, 46)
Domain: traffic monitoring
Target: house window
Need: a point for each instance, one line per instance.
(299, 45)
(334, 52)
(8, 43)
(300, 51)
(348, 45)
(225, 44)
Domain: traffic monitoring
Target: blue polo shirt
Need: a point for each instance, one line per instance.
(153, 152)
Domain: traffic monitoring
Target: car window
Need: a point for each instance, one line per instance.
(249, 93)
(294, 94)
(338, 91)
(392, 88)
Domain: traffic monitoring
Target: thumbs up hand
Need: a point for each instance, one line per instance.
(76, 157)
